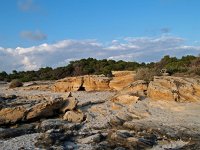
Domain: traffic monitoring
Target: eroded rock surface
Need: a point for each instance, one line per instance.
(174, 89)
(97, 120)
(119, 80)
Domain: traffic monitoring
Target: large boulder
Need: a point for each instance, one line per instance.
(174, 89)
(46, 109)
(121, 79)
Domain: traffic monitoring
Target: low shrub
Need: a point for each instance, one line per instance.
(146, 74)
(15, 83)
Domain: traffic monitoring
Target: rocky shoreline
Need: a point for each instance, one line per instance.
(34, 118)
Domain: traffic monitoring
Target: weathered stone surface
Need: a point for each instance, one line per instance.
(74, 116)
(87, 83)
(56, 124)
(138, 88)
(131, 94)
(12, 114)
(96, 83)
(91, 139)
(70, 104)
(121, 79)
(45, 109)
(68, 84)
(174, 89)
(126, 99)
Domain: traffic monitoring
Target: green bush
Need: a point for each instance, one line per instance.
(146, 74)
(15, 83)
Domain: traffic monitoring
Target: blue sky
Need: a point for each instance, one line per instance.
(151, 24)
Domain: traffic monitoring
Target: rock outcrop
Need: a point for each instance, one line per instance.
(96, 83)
(68, 84)
(12, 114)
(20, 109)
(82, 83)
(121, 79)
(174, 89)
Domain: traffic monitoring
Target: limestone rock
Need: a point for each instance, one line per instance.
(45, 109)
(121, 79)
(11, 114)
(68, 84)
(126, 99)
(87, 83)
(138, 87)
(70, 104)
(96, 83)
(74, 116)
(174, 89)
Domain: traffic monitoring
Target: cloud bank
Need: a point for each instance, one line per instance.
(144, 49)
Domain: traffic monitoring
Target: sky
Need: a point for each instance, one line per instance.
(40, 33)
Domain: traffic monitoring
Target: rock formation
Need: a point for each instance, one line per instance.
(121, 79)
(174, 89)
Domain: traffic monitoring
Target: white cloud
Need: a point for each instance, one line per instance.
(60, 53)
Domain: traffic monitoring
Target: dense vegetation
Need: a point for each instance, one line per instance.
(187, 65)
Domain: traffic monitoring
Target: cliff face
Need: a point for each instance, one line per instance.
(120, 80)
(174, 89)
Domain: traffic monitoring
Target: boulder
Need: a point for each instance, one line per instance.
(121, 79)
(74, 116)
(11, 115)
(70, 104)
(126, 99)
(174, 89)
(45, 109)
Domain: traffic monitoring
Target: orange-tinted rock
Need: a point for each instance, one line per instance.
(126, 99)
(87, 83)
(138, 88)
(174, 89)
(96, 83)
(121, 79)
(74, 116)
(11, 115)
(45, 109)
(68, 84)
